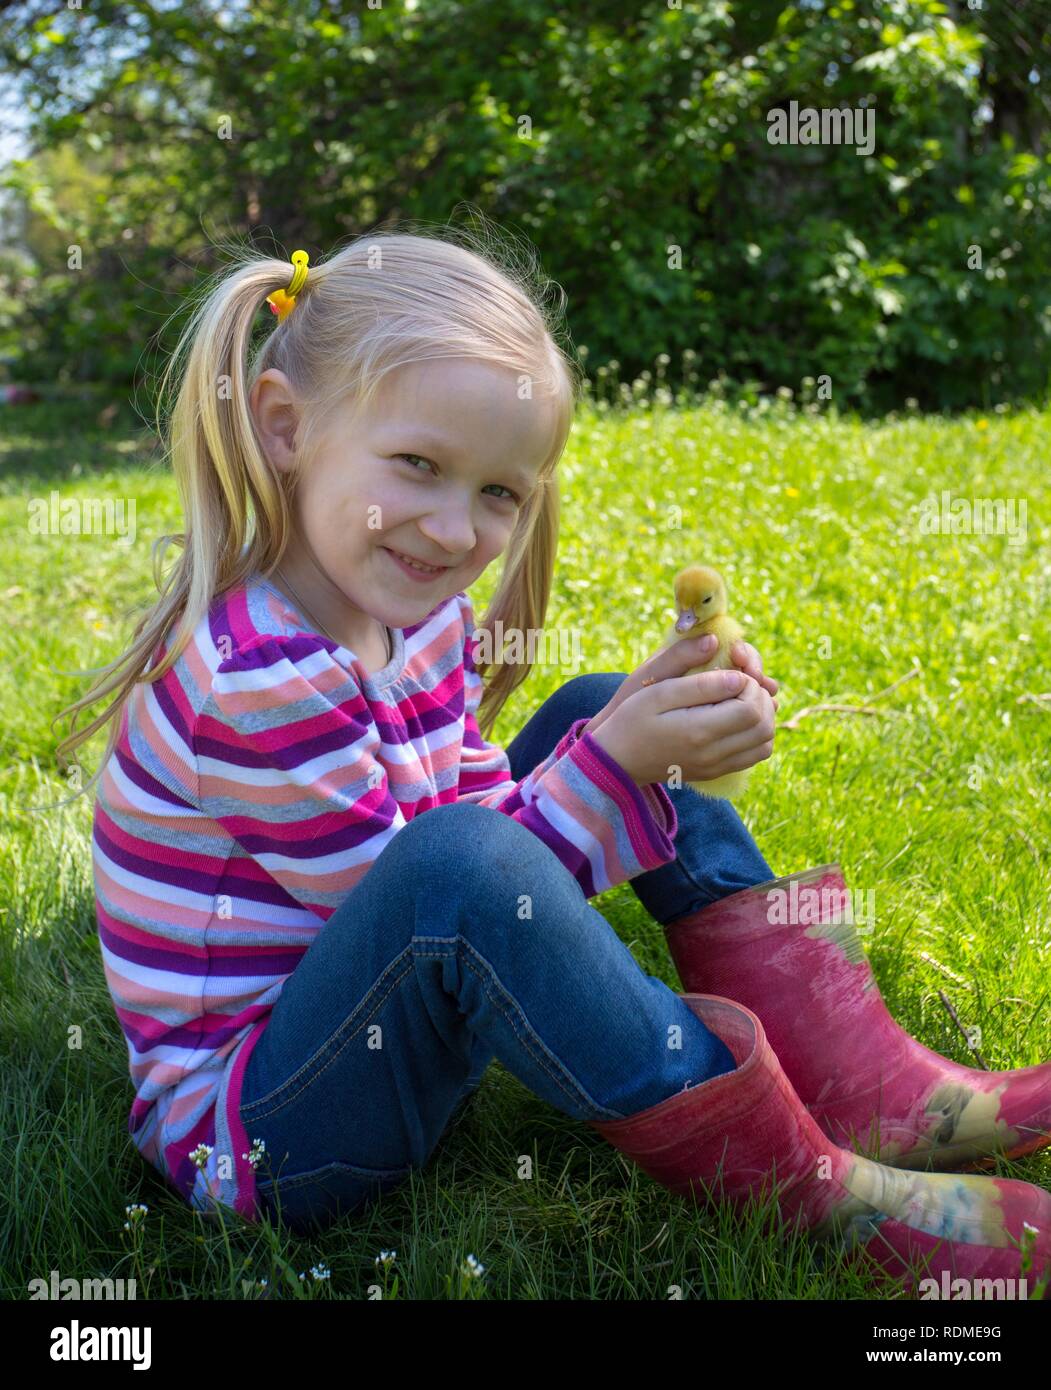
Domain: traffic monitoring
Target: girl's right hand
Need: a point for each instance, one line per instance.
(703, 725)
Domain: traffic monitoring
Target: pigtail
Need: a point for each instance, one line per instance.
(235, 510)
(521, 597)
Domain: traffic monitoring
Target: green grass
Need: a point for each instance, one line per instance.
(940, 806)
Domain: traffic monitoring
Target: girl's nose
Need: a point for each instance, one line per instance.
(454, 537)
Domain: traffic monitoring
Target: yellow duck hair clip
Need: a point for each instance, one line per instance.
(282, 302)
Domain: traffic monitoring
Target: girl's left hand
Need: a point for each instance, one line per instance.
(745, 656)
(742, 653)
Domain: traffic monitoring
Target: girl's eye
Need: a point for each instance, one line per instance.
(512, 495)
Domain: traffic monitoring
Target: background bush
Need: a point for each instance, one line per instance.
(628, 141)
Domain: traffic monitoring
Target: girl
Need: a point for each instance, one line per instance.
(325, 900)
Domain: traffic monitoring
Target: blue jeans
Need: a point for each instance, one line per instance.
(430, 968)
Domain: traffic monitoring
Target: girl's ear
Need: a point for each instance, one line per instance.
(273, 408)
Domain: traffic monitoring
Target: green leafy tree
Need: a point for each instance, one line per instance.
(628, 141)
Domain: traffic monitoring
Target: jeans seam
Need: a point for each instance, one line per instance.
(287, 1182)
(251, 1107)
(529, 1038)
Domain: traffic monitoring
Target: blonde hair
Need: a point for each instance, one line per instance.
(383, 301)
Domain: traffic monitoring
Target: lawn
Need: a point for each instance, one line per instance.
(939, 803)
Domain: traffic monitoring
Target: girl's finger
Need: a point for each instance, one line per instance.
(749, 657)
(751, 662)
(691, 651)
(735, 744)
(756, 672)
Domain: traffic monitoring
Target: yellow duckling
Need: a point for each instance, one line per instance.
(700, 598)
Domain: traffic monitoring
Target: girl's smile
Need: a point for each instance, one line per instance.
(416, 570)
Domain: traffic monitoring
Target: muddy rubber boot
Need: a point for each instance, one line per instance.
(747, 1133)
(790, 950)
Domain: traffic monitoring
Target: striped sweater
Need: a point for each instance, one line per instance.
(251, 788)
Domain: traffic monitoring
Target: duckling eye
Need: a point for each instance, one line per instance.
(708, 599)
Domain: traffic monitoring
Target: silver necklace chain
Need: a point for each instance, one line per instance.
(321, 627)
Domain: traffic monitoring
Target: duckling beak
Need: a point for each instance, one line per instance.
(686, 619)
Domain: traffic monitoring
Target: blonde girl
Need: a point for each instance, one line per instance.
(325, 900)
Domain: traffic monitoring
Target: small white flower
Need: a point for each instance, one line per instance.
(320, 1272)
(255, 1153)
(472, 1267)
(386, 1257)
(200, 1154)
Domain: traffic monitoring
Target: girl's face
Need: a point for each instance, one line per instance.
(436, 469)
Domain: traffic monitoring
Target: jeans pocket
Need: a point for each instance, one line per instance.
(321, 1195)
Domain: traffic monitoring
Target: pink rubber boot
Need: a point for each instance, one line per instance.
(789, 950)
(739, 1135)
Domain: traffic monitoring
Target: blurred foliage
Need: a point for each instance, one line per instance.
(628, 141)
